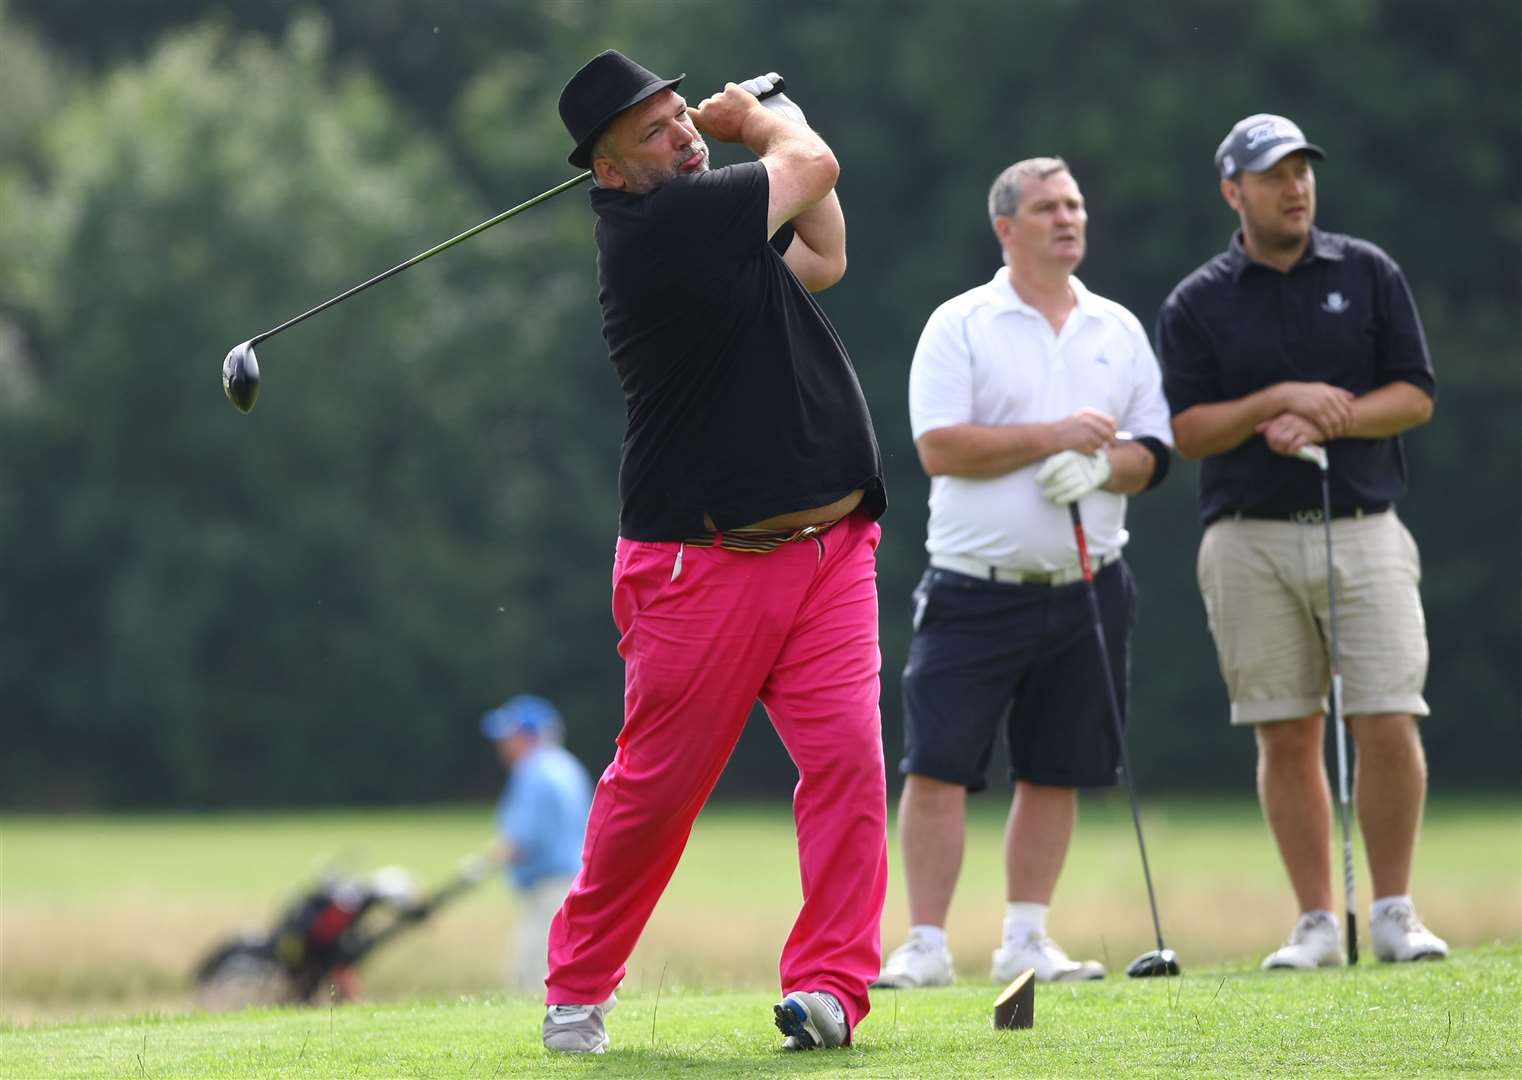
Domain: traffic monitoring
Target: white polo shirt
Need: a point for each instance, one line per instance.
(987, 357)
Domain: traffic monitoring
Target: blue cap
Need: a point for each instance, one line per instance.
(526, 712)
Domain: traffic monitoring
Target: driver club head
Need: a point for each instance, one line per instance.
(1154, 963)
(240, 376)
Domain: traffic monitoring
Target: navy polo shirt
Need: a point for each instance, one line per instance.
(1342, 315)
(742, 402)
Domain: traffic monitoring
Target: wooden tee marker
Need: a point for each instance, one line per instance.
(1016, 1006)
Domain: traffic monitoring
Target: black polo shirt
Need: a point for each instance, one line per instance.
(741, 399)
(1342, 315)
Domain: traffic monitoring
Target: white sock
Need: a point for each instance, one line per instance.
(1380, 905)
(1023, 921)
(932, 936)
(1323, 913)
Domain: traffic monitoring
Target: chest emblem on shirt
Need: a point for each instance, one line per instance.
(1335, 303)
(1100, 359)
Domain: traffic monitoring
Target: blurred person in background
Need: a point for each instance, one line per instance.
(541, 822)
(1292, 337)
(1019, 393)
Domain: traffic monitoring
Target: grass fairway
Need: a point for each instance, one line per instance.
(101, 919)
(1430, 1019)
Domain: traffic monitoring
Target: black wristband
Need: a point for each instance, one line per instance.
(1162, 457)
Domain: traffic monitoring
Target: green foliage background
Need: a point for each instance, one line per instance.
(313, 603)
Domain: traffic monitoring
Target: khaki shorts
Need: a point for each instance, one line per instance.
(1264, 585)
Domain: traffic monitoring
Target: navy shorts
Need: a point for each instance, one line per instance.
(1024, 656)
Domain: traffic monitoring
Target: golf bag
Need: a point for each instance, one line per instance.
(315, 948)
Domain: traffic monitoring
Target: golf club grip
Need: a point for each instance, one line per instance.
(1083, 544)
(777, 88)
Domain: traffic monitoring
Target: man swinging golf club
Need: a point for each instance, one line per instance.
(745, 564)
(1291, 338)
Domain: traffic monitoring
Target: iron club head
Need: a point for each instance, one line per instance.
(240, 377)
(1153, 963)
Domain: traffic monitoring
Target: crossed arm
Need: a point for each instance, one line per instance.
(979, 450)
(1290, 415)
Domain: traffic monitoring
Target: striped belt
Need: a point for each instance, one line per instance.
(1009, 575)
(759, 540)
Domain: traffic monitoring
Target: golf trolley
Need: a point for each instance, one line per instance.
(321, 937)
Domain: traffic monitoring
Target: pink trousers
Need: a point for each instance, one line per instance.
(706, 632)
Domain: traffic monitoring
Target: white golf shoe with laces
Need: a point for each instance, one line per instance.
(1043, 955)
(917, 963)
(1399, 935)
(1316, 941)
(578, 1029)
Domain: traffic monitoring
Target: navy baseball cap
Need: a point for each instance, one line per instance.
(1259, 142)
(526, 712)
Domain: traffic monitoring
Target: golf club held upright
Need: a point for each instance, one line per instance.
(1317, 456)
(1162, 960)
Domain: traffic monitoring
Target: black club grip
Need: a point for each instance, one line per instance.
(777, 88)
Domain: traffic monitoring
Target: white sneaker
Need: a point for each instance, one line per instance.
(577, 1029)
(1399, 935)
(811, 1019)
(917, 963)
(1046, 957)
(1316, 941)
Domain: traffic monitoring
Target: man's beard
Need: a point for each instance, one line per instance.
(645, 178)
(1283, 237)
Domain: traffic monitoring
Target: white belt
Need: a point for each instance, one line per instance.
(1010, 575)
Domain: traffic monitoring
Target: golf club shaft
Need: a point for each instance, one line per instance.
(778, 87)
(1340, 723)
(1120, 732)
(466, 235)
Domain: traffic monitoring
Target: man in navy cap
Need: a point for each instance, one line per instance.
(745, 567)
(541, 822)
(1293, 338)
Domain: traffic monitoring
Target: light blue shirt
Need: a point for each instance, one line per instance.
(543, 814)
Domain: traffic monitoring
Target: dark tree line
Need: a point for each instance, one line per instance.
(314, 603)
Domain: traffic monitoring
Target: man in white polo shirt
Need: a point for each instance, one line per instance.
(1021, 395)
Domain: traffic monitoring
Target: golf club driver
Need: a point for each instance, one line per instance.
(1316, 455)
(1161, 960)
(240, 368)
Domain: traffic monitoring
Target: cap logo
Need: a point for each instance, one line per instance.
(1275, 130)
(1228, 165)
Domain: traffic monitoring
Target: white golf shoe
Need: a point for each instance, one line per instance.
(917, 963)
(1399, 935)
(577, 1029)
(1316, 941)
(811, 1019)
(1046, 958)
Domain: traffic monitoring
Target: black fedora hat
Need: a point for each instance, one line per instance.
(605, 86)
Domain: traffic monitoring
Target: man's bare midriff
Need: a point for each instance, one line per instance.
(802, 519)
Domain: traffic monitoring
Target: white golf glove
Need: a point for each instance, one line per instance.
(780, 104)
(1068, 476)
